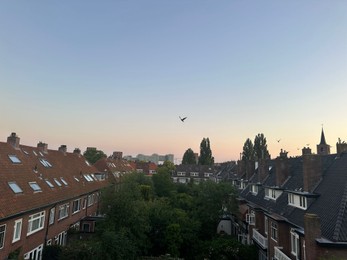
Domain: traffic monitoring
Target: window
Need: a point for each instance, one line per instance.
(274, 233)
(45, 163)
(49, 183)
(90, 200)
(35, 186)
(250, 218)
(76, 178)
(36, 222)
(14, 187)
(294, 238)
(63, 211)
(254, 189)
(266, 224)
(17, 230)
(63, 181)
(14, 159)
(35, 254)
(303, 202)
(181, 174)
(194, 174)
(298, 201)
(272, 193)
(76, 206)
(87, 177)
(291, 200)
(100, 176)
(2, 235)
(57, 182)
(51, 215)
(88, 163)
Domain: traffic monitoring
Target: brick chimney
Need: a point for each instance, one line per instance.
(263, 170)
(117, 155)
(250, 168)
(13, 140)
(341, 146)
(312, 171)
(240, 168)
(77, 151)
(42, 147)
(306, 151)
(282, 168)
(312, 232)
(62, 148)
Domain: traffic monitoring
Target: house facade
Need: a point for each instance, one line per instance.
(186, 173)
(44, 193)
(294, 208)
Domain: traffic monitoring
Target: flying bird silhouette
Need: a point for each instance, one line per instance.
(278, 140)
(182, 119)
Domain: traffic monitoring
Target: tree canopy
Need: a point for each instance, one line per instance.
(189, 157)
(92, 155)
(205, 157)
(248, 151)
(260, 147)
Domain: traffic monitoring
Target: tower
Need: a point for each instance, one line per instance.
(323, 148)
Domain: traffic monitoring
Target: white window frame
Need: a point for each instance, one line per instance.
(37, 217)
(254, 189)
(266, 224)
(298, 201)
(250, 218)
(2, 235)
(274, 231)
(90, 200)
(78, 209)
(63, 211)
(295, 243)
(17, 230)
(14, 159)
(35, 254)
(35, 186)
(51, 216)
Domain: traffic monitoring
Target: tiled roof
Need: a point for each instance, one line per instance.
(31, 168)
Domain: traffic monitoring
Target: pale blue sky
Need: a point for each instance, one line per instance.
(117, 74)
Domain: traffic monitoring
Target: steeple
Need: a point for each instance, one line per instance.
(323, 148)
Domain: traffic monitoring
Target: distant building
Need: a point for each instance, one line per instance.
(155, 158)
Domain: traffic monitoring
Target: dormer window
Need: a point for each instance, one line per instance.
(181, 174)
(254, 189)
(243, 184)
(14, 159)
(35, 186)
(298, 201)
(273, 194)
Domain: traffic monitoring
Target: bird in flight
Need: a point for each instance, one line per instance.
(278, 140)
(182, 119)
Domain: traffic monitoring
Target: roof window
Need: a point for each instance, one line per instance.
(25, 152)
(57, 182)
(87, 177)
(63, 181)
(14, 159)
(76, 178)
(49, 183)
(35, 186)
(34, 153)
(14, 187)
(45, 163)
(88, 163)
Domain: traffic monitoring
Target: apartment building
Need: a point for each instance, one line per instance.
(44, 193)
(186, 173)
(294, 208)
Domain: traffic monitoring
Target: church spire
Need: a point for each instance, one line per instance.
(323, 148)
(322, 138)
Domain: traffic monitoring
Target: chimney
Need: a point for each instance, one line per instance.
(263, 170)
(250, 168)
(312, 232)
(196, 155)
(282, 168)
(62, 148)
(13, 140)
(42, 147)
(117, 155)
(312, 171)
(306, 151)
(341, 146)
(240, 168)
(77, 151)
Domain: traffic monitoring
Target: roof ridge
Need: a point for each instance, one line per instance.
(340, 215)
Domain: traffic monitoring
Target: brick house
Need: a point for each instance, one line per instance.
(43, 194)
(185, 173)
(296, 207)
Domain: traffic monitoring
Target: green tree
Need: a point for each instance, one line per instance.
(248, 151)
(260, 147)
(162, 183)
(205, 157)
(189, 157)
(92, 155)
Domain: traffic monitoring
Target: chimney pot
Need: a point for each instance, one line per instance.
(13, 140)
(62, 148)
(43, 147)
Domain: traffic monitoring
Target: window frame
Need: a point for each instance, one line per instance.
(78, 201)
(63, 211)
(2, 235)
(40, 217)
(294, 243)
(17, 230)
(51, 216)
(274, 231)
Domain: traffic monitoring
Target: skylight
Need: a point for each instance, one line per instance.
(25, 152)
(57, 182)
(45, 163)
(14, 186)
(63, 181)
(14, 159)
(76, 178)
(87, 177)
(34, 186)
(88, 163)
(34, 153)
(49, 184)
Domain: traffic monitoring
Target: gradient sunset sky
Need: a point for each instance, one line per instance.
(117, 74)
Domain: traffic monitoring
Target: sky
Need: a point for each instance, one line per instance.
(116, 75)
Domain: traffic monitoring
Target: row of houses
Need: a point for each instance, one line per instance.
(293, 208)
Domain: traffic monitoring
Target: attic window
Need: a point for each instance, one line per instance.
(14, 187)
(41, 154)
(93, 176)
(63, 181)
(76, 178)
(34, 153)
(87, 177)
(45, 163)
(297, 201)
(57, 182)
(272, 193)
(14, 159)
(49, 184)
(35, 186)
(25, 152)
(88, 163)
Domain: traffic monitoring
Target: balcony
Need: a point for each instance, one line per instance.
(260, 239)
(279, 255)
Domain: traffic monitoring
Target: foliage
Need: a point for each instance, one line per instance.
(189, 157)
(260, 147)
(92, 155)
(205, 157)
(248, 151)
(162, 183)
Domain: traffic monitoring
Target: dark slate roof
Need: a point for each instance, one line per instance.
(328, 200)
(322, 138)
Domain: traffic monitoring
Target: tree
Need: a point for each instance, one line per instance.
(189, 157)
(260, 147)
(92, 154)
(248, 151)
(205, 157)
